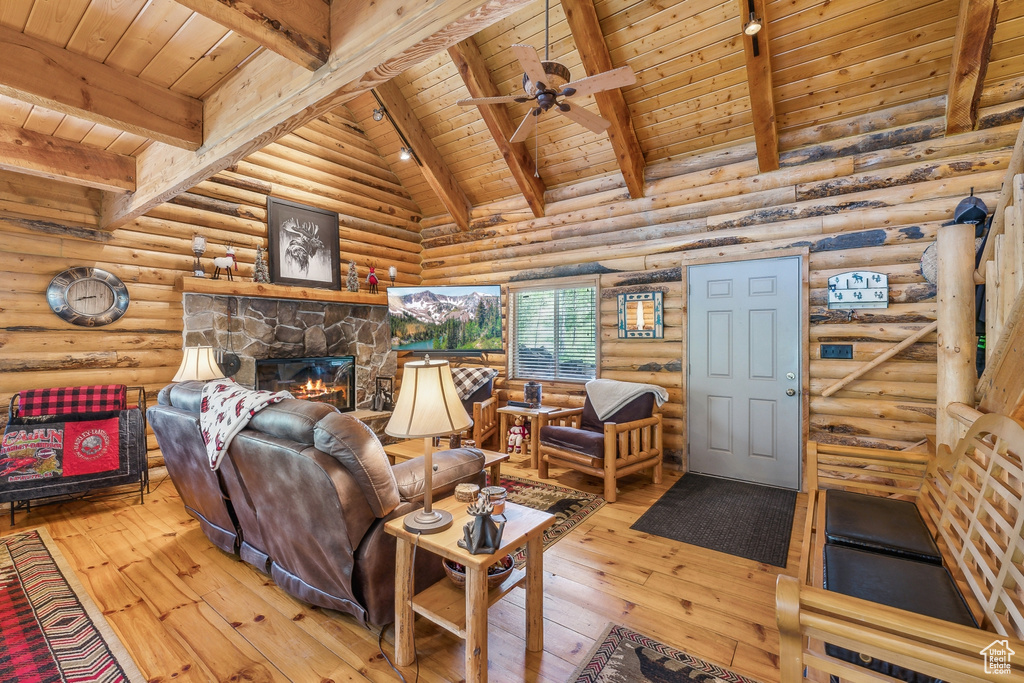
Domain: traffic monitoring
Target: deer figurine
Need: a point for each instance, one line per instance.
(226, 262)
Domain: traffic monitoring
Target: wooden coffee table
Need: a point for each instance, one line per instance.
(413, 448)
(448, 605)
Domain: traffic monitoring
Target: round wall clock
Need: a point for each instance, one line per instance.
(87, 296)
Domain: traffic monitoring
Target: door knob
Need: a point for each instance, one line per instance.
(790, 392)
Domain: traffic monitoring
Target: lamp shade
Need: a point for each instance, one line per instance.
(199, 363)
(428, 404)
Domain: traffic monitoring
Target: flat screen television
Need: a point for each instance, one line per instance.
(446, 318)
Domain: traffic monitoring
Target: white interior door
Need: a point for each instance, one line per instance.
(744, 377)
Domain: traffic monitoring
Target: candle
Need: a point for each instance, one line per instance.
(392, 273)
(198, 244)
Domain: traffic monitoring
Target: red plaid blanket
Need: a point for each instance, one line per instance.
(71, 400)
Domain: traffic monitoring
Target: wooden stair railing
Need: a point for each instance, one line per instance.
(881, 358)
(1001, 386)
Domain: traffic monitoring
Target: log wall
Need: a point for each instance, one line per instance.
(871, 196)
(46, 227)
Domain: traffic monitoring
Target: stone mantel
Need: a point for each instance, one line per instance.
(262, 290)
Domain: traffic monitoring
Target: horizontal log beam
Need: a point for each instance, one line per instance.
(25, 151)
(41, 73)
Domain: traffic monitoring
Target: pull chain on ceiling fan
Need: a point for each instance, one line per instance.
(547, 83)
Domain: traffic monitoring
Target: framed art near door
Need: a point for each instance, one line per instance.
(303, 244)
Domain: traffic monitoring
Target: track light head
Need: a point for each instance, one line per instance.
(378, 114)
(405, 154)
(752, 27)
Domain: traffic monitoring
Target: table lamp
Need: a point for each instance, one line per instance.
(428, 405)
(199, 363)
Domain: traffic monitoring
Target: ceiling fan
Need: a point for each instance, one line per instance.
(547, 83)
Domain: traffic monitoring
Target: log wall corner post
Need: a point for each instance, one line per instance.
(957, 342)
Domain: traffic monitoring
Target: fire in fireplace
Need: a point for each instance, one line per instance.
(325, 380)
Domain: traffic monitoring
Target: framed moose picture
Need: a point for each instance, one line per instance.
(303, 245)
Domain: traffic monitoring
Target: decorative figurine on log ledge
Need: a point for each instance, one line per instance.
(371, 278)
(481, 536)
(225, 263)
(352, 281)
(260, 272)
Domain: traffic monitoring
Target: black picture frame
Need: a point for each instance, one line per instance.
(303, 245)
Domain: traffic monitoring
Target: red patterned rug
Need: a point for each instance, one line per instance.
(624, 656)
(50, 629)
(569, 506)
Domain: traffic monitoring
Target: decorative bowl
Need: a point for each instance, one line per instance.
(496, 573)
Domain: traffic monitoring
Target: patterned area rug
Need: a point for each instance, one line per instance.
(745, 520)
(625, 656)
(569, 506)
(51, 630)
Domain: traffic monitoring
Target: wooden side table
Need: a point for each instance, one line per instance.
(533, 447)
(413, 448)
(448, 605)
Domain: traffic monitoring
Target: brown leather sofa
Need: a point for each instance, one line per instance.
(303, 494)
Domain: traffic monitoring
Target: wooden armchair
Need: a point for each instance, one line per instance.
(630, 440)
(480, 404)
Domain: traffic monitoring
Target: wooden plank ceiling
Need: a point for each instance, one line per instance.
(828, 61)
(181, 89)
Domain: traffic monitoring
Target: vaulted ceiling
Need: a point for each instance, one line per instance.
(142, 98)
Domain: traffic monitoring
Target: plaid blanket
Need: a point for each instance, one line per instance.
(468, 380)
(70, 400)
(225, 410)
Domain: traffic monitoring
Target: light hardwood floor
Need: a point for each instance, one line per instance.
(188, 612)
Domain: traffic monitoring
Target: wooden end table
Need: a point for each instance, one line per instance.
(413, 448)
(533, 446)
(448, 605)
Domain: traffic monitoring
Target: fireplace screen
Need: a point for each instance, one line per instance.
(326, 380)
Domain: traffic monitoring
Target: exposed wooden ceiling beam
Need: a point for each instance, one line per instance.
(269, 97)
(759, 83)
(435, 170)
(298, 30)
(972, 46)
(470, 63)
(25, 151)
(593, 50)
(34, 71)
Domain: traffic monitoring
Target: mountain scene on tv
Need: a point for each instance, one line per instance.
(449, 320)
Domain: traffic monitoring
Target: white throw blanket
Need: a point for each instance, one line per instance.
(609, 395)
(225, 410)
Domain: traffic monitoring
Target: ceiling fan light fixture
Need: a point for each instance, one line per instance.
(378, 114)
(405, 154)
(753, 26)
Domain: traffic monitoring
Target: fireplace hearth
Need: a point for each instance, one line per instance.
(324, 380)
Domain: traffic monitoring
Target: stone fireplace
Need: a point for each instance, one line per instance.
(265, 328)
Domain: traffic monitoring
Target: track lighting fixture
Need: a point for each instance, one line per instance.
(378, 114)
(752, 27)
(405, 154)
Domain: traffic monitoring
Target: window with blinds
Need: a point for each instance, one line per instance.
(555, 334)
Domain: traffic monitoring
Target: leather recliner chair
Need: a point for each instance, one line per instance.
(303, 494)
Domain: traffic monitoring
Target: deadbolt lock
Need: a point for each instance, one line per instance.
(790, 375)
(790, 392)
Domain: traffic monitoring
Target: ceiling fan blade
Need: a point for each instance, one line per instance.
(585, 118)
(616, 78)
(469, 102)
(530, 62)
(526, 127)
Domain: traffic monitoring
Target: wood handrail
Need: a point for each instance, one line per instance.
(881, 358)
(963, 413)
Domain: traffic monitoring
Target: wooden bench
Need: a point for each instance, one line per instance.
(972, 500)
